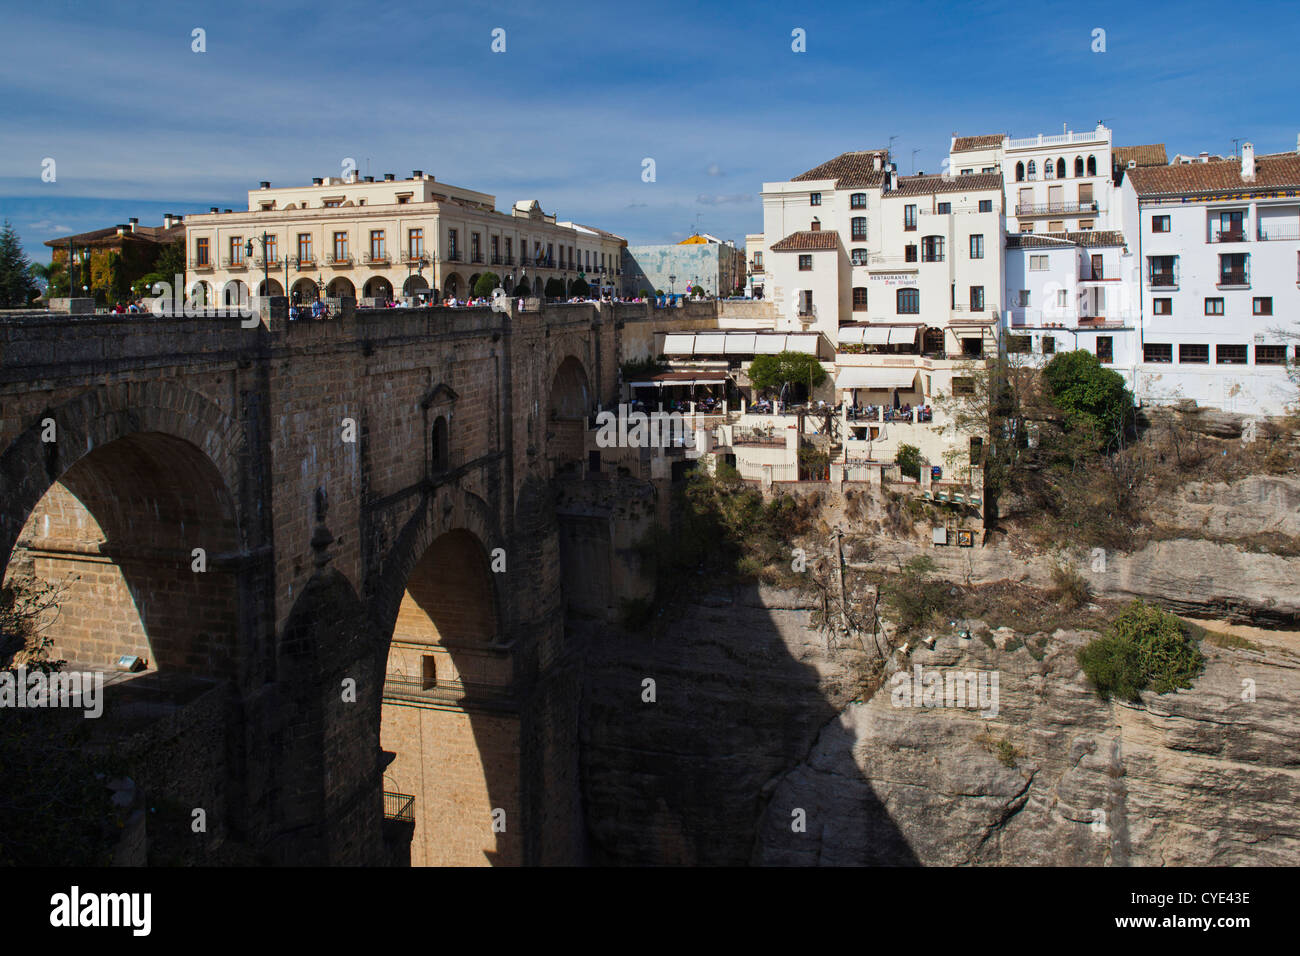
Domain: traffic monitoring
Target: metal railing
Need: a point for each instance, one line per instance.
(1234, 277)
(195, 263)
(1228, 235)
(343, 260)
(1055, 208)
(1162, 280)
(1274, 233)
(228, 263)
(399, 807)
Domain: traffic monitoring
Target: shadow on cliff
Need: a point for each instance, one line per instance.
(688, 770)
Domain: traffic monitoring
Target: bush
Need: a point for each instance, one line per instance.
(1093, 398)
(554, 289)
(580, 288)
(485, 284)
(914, 596)
(522, 291)
(1143, 647)
(1069, 588)
(909, 461)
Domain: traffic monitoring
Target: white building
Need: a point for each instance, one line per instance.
(1219, 247)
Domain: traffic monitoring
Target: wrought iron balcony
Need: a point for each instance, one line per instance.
(1162, 280)
(343, 260)
(196, 263)
(1228, 235)
(1055, 208)
(419, 258)
(453, 255)
(1234, 277)
(399, 807)
(228, 263)
(373, 259)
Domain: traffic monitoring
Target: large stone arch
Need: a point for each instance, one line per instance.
(448, 716)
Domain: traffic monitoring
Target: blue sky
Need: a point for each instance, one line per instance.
(139, 124)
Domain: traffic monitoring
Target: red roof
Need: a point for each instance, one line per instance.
(808, 242)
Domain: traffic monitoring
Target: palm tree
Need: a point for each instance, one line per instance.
(54, 275)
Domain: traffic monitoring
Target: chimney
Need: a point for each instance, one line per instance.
(417, 174)
(228, 210)
(875, 161)
(1297, 143)
(1248, 162)
(1203, 157)
(265, 184)
(370, 179)
(133, 221)
(213, 209)
(121, 229)
(317, 181)
(389, 177)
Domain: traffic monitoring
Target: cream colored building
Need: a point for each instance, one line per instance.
(357, 237)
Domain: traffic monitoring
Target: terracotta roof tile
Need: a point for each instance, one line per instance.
(1272, 171)
(927, 185)
(964, 144)
(808, 242)
(1087, 238)
(109, 237)
(850, 170)
(1152, 154)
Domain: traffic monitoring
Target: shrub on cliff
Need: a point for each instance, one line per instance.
(1144, 647)
(915, 597)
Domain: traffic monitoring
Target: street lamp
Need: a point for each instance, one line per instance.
(266, 264)
(672, 281)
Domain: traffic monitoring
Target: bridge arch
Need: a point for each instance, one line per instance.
(448, 714)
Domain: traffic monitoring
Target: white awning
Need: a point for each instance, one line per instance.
(850, 334)
(875, 378)
(769, 344)
(710, 343)
(678, 343)
(740, 343)
(903, 335)
(805, 342)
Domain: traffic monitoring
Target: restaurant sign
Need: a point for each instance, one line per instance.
(891, 279)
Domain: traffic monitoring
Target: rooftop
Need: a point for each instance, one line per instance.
(109, 236)
(1088, 238)
(923, 185)
(850, 170)
(807, 242)
(1153, 154)
(965, 144)
(1272, 171)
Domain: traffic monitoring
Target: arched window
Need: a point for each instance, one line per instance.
(1049, 169)
(1033, 169)
(1078, 166)
(1020, 172)
(438, 445)
(1060, 169)
(1092, 165)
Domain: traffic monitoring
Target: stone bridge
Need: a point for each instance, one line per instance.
(335, 544)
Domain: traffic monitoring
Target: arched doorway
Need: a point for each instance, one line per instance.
(303, 290)
(473, 284)
(234, 293)
(274, 288)
(340, 287)
(377, 287)
(452, 285)
(456, 746)
(569, 404)
(200, 293)
(414, 284)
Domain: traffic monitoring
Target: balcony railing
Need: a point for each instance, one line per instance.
(399, 807)
(228, 263)
(1162, 280)
(337, 260)
(196, 263)
(1228, 235)
(418, 257)
(375, 259)
(1064, 139)
(1055, 208)
(304, 262)
(1275, 233)
(496, 260)
(477, 257)
(1233, 278)
(453, 255)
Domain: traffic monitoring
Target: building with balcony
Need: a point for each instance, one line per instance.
(1218, 244)
(375, 240)
(1075, 290)
(714, 264)
(756, 276)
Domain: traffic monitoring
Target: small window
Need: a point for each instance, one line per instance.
(1078, 166)
(1024, 298)
(963, 386)
(858, 201)
(909, 253)
(1213, 306)
(859, 299)
(1019, 344)
(858, 227)
(1156, 352)
(859, 257)
(1033, 169)
(909, 217)
(1264, 305)
(438, 445)
(1049, 170)
(1092, 165)
(1159, 223)
(986, 205)
(1270, 354)
(1049, 345)
(805, 263)
(814, 199)
(1194, 354)
(428, 671)
(977, 247)
(977, 298)
(909, 301)
(945, 208)
(1038, 263)
(967, 172)
(1020, 172)
(1056, 225)
(1086, 224)
(1164, 306)
(1105, 348)
(1230, 354)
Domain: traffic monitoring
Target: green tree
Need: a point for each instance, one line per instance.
(17, 287)
(522, 290)
(909, 461)
(1093, 398)
(171, 261)
(580, 288)
(554, 289)
(485, 284)
(55, 276)
(773, 371)
(1143, 647)
(697, 290)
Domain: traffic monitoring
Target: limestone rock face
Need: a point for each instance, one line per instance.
(1198, 777)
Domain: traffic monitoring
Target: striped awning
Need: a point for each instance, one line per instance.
(856, 376)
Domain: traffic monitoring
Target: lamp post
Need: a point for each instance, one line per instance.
(672, 281)
(266, 265)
